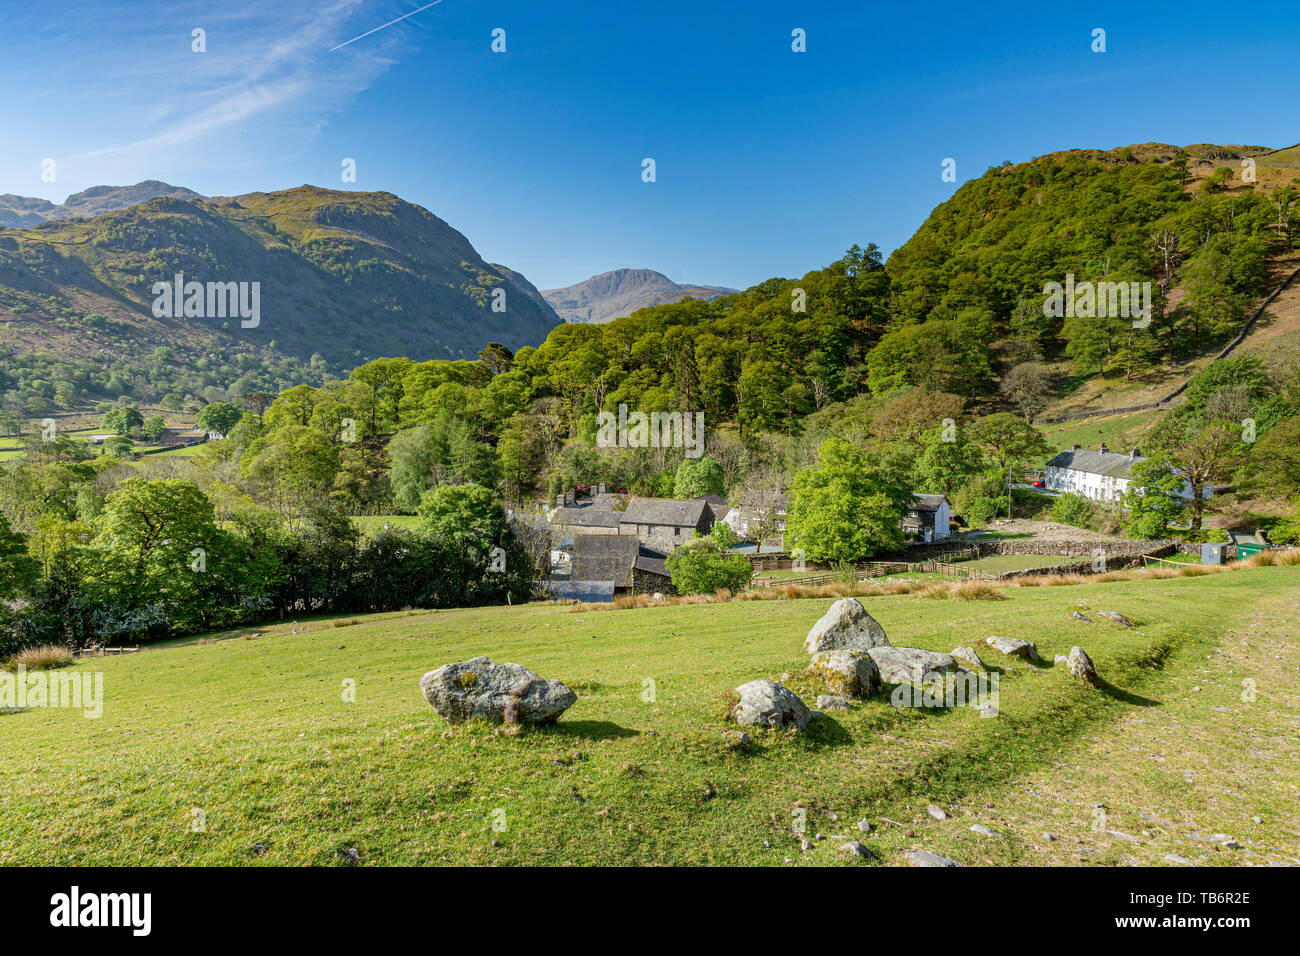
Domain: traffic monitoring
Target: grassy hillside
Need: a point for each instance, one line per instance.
(257, 735)
(344, 276)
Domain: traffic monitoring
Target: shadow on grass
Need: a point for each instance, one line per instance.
(1124, 696)
(586, 730)
(826, 731)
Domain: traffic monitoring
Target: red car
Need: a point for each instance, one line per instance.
(1040, 483)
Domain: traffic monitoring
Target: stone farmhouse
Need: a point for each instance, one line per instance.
(665, 524)
(1101, 475)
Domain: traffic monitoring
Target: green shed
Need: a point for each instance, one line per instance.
(1248, 544)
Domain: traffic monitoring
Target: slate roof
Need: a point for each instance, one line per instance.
(928, 502)
(673, 512)
(587, 517)
(604, 557)
(652, 565)
(719, 505)
(1113, 464)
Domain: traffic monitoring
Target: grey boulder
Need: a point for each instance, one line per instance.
(501, 693)
(910, 665)
(765, 703)
(846, 625)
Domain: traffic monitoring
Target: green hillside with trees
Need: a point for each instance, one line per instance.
(852, 387)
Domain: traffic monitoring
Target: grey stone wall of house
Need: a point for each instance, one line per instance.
(647, 582)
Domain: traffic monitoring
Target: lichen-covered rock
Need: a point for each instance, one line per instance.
(846, 673)
(1117, 618)
(1080, 616)
(967, 657)
(910, 665)
(765, 703)
(846, 625)
(1012, 647)
(1081, 667)
(501, 693)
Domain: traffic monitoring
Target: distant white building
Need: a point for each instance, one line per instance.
(1101, 475)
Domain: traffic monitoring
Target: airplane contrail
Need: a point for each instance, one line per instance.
(388, 24)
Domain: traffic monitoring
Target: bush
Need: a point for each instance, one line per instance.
(1074, 510)
(702, 568)
(45, 658)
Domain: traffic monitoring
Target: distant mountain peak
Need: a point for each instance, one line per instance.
(621, 292)
(95, 201)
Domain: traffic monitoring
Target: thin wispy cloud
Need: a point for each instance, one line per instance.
(267, 72)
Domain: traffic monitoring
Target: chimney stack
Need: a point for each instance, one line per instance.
(1076, 446)
(559, 501)
(600, 488)
(1104, 449)
(1134, 454)
(568, 497)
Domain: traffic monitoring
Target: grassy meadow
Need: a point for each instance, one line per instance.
(239, 749)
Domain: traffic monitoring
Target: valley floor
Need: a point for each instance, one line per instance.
(248, 751)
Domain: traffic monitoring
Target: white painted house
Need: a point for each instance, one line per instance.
(929, 517)
(1101, 475)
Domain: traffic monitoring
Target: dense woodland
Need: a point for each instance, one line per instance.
(852, 387)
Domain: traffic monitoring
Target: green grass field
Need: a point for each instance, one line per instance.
(256, 736)
(1117, 432)
(373, 524)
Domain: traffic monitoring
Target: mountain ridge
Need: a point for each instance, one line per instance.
(620, 292)
(342, 275)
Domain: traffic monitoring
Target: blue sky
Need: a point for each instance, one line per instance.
(768, 162)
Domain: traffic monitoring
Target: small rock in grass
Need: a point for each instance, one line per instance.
(1011, 646)
(982, 830)
(350, 855)
(1117, 618)
(926, 858)
(1175, 858)
(864, 826)
(936, 812)
(1079, 616)
(967, 657)
(856, 848)
(1081, 667)
(830, 702)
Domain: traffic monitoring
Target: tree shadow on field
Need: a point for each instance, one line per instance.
(586, 729)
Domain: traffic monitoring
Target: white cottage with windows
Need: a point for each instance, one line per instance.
(1101, 475)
